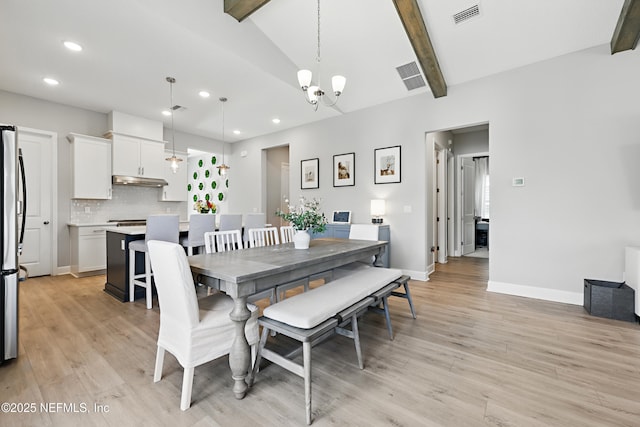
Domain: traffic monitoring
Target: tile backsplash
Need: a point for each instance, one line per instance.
(127, 202)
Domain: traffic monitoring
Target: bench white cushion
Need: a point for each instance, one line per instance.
(311, 308)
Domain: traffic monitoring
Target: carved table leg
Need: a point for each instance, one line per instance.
(240, 356)
(377, 262)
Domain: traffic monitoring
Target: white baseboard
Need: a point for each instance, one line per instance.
(58, 271)
(423, 276)
(575, 298)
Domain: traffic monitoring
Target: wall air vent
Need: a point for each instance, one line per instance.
(466, 14)
(411, 76)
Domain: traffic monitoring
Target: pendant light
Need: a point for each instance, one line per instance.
(173, 159)
(223, 168)
(314, 94)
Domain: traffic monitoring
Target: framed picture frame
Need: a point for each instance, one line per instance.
(309, 170)
(341, 217)
(387, 165)
(344, 169)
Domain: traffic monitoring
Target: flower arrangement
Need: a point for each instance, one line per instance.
(305, 216)
(205, 206)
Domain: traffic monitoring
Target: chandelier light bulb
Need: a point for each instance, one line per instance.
(337, 83)
(304, 79)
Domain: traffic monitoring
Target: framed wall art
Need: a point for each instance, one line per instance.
(344, 169)
(387, 165)
(309, 173)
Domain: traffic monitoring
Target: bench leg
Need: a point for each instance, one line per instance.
(306, 357)
(385, 306)
(356, 339)
(406, 295)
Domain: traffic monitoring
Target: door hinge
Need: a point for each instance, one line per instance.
(437, 190)
(437, 219)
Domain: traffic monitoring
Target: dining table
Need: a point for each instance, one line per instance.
(242, 273)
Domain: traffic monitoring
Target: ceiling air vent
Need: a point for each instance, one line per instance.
(410, 75)
(178, 108)
(466, 14)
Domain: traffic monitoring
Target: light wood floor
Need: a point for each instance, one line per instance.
(471, 358)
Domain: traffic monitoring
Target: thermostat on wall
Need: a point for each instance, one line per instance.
(518, 182)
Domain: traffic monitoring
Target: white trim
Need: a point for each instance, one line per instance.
(422, 276)
(575, 298)
(53, 136)
(58, 271)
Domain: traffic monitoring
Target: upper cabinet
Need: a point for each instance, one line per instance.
(135, 156)
(90, 167)
(176, 190)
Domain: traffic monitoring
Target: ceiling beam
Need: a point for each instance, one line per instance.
(414, 25)
(627, 30)
(240, 9)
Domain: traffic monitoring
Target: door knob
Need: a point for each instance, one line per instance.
(46, 223)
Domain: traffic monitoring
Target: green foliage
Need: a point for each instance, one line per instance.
(305, 216)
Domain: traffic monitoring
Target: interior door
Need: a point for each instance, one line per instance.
(284, 189)
(468, 205)
(37, 152)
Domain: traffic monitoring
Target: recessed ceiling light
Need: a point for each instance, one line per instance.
(236, 132)
(50, 81)
(204, 94)
(166, 113)
(72, 46)
(276, 120)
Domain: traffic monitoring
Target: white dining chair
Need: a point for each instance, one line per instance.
(222, 241)
(286, 233)
(194, 331)
(253, 220)
(231, 240)
(198, 225)
(265, 236)
(159, 227)
(230, 222)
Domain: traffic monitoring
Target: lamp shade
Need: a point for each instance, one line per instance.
(304, 78)
(312, 93)
(337, 83)
(377, 207)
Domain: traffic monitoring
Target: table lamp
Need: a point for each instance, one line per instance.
(377, 210)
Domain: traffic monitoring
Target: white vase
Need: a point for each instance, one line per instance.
(301, 239)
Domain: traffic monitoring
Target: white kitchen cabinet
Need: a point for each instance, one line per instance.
(176, 190)
(88, 250)
(134, 156)
(90, 167)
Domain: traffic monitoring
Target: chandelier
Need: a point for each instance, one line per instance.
(223, 168)
(173, 159)
(313, 94)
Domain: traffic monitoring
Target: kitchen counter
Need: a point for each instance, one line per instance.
(136, 230)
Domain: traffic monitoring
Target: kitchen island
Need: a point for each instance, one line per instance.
(118, 239)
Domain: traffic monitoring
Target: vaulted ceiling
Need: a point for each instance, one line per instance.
(130, 46)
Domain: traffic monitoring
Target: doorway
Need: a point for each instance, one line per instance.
(277, 182)
(456, 221)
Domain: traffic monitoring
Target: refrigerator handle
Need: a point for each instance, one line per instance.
(24, 200)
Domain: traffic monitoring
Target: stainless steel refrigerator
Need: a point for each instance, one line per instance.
(11, 235)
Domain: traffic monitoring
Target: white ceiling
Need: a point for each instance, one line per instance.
(130, 46)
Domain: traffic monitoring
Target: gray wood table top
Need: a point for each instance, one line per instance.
(269, 266)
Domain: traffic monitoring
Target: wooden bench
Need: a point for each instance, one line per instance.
(315, 315)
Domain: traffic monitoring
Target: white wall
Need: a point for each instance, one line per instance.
(570, 126)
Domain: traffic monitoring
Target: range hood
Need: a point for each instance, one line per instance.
(138, 181)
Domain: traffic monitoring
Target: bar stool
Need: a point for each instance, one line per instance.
(253, 220)
(230, 222)
(159, 227)
(198, 225)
